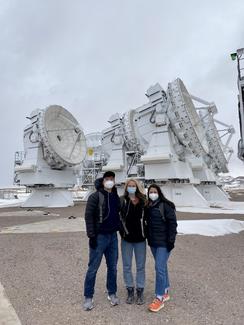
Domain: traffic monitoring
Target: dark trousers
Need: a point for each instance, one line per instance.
(107, 245)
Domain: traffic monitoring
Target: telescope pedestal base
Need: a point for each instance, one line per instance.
(49, 198)
(212, 193)
(184, 195)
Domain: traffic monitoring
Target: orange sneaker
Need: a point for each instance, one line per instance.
(166, 297)
(156, 305)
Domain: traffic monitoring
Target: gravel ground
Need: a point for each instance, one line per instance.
(43, 277)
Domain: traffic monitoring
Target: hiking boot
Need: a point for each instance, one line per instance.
(130, 295)
(114, 300)
(156, 305)
(88, 304)
(140, 297)
(166, 297)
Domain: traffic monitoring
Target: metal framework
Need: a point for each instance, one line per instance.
(240, 83)
(219, 152)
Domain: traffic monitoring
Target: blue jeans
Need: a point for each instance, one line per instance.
(161, 256)
(140, 256)
(107, 245)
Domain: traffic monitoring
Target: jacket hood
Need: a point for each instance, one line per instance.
(99, 185)
(154, 203)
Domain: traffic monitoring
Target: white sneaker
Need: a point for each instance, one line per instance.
(114, 300)
(88, 304)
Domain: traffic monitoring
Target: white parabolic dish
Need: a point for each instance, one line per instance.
(62, 137)
(216, 149)
(184, 119)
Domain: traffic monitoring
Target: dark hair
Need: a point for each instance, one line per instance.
(108, 174)
(161, 196)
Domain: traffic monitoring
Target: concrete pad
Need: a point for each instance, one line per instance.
(210, 227)
(8, 315)
(56, 225)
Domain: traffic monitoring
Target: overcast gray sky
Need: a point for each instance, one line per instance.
(96, 58)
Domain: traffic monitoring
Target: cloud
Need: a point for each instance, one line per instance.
(99, 57)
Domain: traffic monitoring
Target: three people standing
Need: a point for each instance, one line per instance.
(137, 218)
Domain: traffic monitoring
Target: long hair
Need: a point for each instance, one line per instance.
(160, 195)
(140, 193)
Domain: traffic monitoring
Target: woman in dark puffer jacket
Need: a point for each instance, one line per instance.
(161, 228)
(133, 240)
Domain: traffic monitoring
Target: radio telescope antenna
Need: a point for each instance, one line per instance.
(219, 152)
(184, 119)
(55, 147)
(62, 137)
(167, 140)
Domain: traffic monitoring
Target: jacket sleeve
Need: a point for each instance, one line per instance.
(121, 212)
(121, 204)
(90, 215)
(145, 222)
(170, 216)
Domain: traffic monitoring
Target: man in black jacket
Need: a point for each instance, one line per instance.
(102, 223)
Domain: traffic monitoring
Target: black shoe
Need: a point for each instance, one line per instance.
(130, 295)
(140, 296)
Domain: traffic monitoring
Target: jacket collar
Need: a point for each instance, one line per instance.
(154, 203)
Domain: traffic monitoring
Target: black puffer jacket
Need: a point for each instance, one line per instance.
(106, 219)
(161, 229)
(132, 220)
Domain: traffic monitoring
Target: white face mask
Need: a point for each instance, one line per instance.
(109, 184)
(153, 196)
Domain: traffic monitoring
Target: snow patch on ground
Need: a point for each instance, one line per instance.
(210, 227)
(6, 203)
(230, 210)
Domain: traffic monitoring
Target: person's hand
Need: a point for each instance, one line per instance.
(170, 246)
(93, 242)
